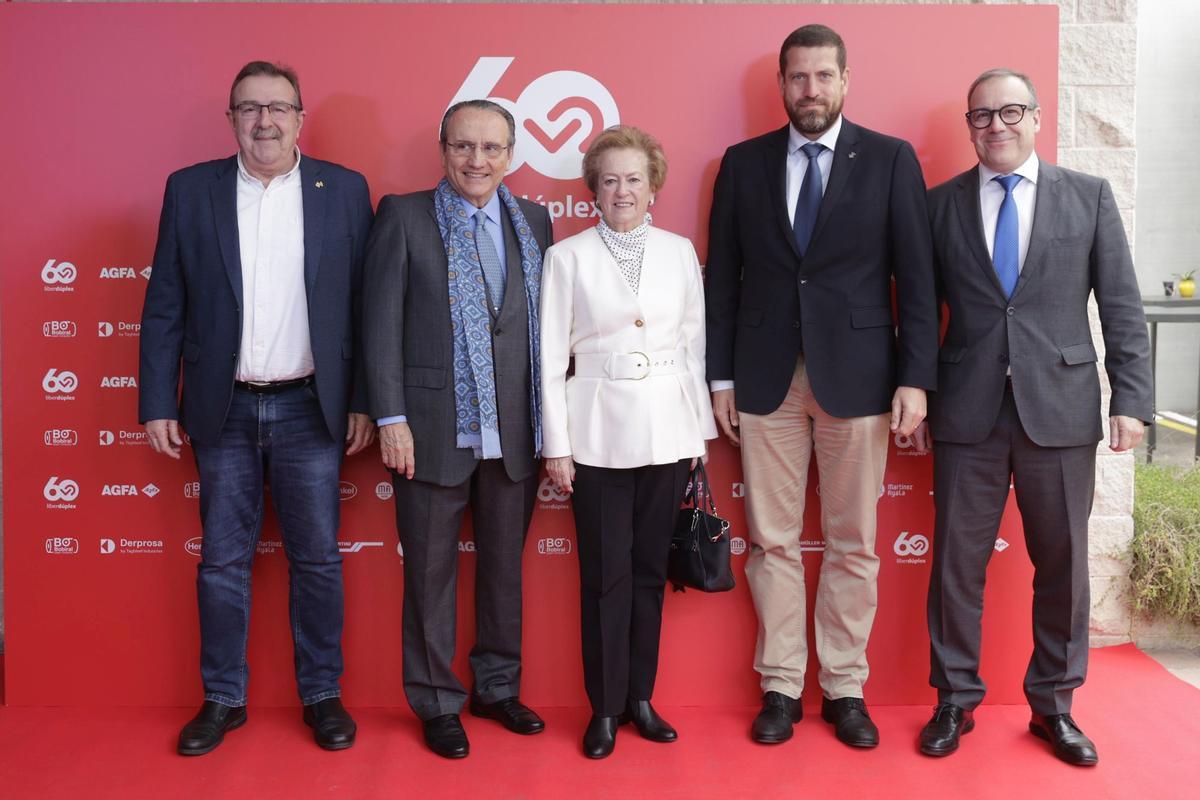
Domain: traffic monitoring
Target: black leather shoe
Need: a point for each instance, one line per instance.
(940, 735)
(332, 725)
(647, 721)
(851, 723)
(206, 730)
(445, 736)
(1069, 742)
(509, 712)
(600, 737)
(774, 723)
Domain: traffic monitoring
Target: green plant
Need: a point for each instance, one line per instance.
(1186, 276)
(1166, 542)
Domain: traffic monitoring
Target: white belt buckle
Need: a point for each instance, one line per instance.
(647, 365)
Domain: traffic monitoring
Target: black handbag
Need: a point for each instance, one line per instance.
(699, 555)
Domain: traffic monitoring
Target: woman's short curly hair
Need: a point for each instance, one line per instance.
(625, 137)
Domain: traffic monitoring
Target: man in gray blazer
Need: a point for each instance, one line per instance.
(452, 283)
(1019, 247)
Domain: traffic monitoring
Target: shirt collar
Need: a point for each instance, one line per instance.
(1028, 171)
(289, 176)
(491, 208)
(829, 138)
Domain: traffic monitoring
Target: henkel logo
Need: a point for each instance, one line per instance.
(58, 329)
(552, 546)
(356, 547)
(549, 496)
(193, 546)
(1001, 544)
(738, 490)
(556, 114)
(905, 446)
(910, 547)
(107, 546)
(62, 545)
(118, 382)
(384, 490)
(346, 490)
(60, 493)
(59, 275)
(59, 385)
(191, 490)
(60, 437)
(150, 490)
(737, 545)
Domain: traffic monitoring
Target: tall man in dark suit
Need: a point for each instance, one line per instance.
(257, 287)
(1019, 247)
(811, 225)
(453, 277)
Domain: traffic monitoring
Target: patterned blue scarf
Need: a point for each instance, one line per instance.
(477, 425)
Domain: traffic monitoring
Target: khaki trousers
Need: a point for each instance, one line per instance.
(851, 455)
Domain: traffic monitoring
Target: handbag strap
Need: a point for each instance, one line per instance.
(701, 489)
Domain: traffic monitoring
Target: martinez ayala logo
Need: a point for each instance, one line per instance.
(555, 114)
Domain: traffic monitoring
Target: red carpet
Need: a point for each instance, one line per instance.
(1127, 705)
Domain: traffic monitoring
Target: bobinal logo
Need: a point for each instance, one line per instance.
(556, 115)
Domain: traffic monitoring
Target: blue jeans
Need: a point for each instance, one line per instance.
(281, 438)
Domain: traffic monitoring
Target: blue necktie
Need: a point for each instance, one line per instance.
(489, 261)
(808, 203)
(1006, 250)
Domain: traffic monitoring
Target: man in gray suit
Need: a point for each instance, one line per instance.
(1019, 247)
(452, 282)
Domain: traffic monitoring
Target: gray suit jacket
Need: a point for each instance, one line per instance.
(409, 351)
(1077, 247)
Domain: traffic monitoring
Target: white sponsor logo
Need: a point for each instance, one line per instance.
(150, 490)
(554, 546)
(60, 491)
(346, 490)
(812, 546)
(119, 490)
(60, 437)
(191, 489)
(107, 546)
(896, 489)
(400, 550)
(58, 329)
(556, 114)
(118, 273)
(384, 490)
(62, 545)
(738, 490)
(905, 446)
(134, 546)
(145, 272)
(268, 547)
(911, 548)
(125, 329)
(59, 275)
(61, 383)
(124, 438)
(106, 438)
(104, 329)
(467, 546)
(356, 547)
(737, 545)
(118, 382)
(549, 496)
(1001, 544)
(193, 546)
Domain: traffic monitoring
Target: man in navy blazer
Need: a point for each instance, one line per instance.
(256, 289)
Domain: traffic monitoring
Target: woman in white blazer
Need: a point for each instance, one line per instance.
(623, 303)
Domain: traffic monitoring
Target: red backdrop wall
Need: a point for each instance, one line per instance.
(102, 103)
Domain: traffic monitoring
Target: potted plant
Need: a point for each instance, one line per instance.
(1187, 283)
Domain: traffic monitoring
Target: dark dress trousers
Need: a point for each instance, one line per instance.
(193, 317)
(1039, 428)
(410, 370)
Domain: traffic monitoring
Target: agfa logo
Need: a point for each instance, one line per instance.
(145, 272)
(193, 546)
(549, 496)
(119, 490)
(384, 490)
(557, 113)
(58, 329)
(118, 273)
(466, 546)
(911, 547)
(62, 545)
(150, 490)
(107, 546)
(737, 545)
(60, 437)
(346, 490)
(1001, 544)
(60, 491)
(59, 383)
(554, 546)
(59, 276)
(118, 382)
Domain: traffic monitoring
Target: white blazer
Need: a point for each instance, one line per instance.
(588, 308)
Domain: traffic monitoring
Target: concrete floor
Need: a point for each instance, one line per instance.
(1180, 662)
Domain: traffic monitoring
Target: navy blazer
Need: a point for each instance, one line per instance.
(766, 304)
(193, 309)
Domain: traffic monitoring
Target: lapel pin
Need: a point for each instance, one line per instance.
(320, 184)
(851, 154)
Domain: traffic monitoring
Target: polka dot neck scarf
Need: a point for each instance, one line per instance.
(627, 249)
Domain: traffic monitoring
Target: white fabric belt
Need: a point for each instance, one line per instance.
(631, 366)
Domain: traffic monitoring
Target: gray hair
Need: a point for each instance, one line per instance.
(479, 105)
(1004, 72)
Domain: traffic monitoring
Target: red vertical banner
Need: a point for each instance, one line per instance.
(102, 103)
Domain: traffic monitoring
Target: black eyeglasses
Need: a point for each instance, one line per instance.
(1010, 114)
(250, 110)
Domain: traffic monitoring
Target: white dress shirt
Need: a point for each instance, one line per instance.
(991, 195)
(797, 166)
(275, 342)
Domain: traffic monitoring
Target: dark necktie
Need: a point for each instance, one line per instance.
(1006, 249)
(489, 261)
(808, 203)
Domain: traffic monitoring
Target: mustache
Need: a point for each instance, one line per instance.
(266, 133)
